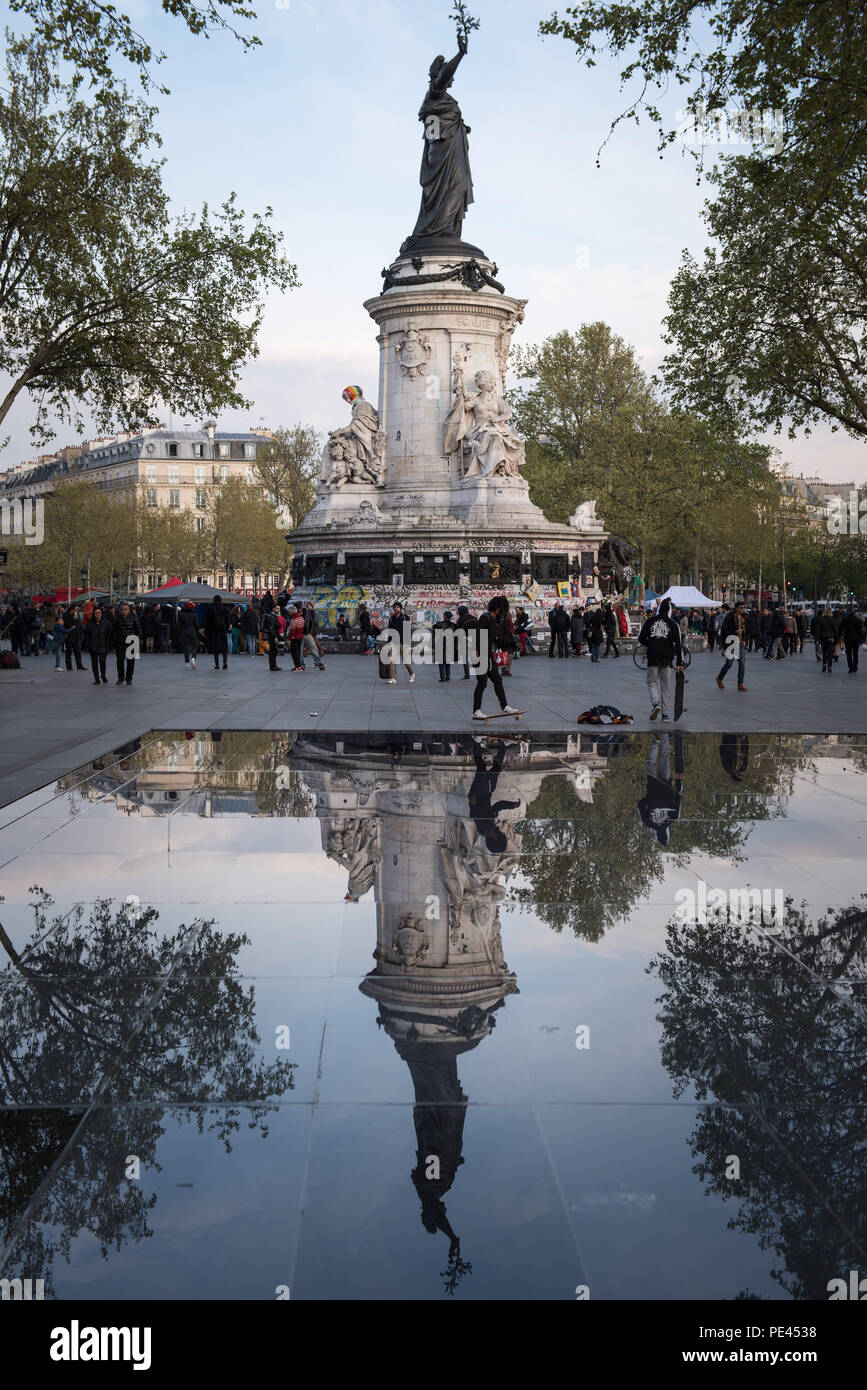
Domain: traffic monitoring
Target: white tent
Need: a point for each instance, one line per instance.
(687, 596)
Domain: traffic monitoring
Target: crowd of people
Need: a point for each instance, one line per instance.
(271, 625)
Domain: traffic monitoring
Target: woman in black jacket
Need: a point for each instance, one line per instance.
(217, 632)
(97, 641)
(188, 631)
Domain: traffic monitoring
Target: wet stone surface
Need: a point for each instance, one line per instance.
(431, 1016)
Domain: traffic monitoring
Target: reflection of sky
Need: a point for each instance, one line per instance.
(576, 1162)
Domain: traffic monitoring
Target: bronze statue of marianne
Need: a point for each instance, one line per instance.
(447, 185)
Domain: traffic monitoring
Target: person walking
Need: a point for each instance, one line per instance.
(609, 623)
(733, 640)
(97, 640)
(188, 633)
(267, 602)
(826, 635)
(710, 630)
(237, 615)
(63, 630)
(296, 637)
(164, 626)
(523, 631)
(126, 639)
(271, 636)
(576, 630)
(853, 636)
(466, 623)
(311, 646)
(490, 629)
(365, 625)
(778, 632)
(250, 628)
(445, 645)
(661, 636)
(217, 631)
(149, 628)
(595, 632)
(74, 639)
(558, 622)
(400, 625)
(814, 633)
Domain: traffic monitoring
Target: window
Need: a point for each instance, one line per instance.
(174, 497)
(201, 498)
(200, 526)
(224, 473)
(249, 451)
(172, 451)
(151, 496)
(200, 475)
(198, 451)
(151, 472)
(224, 451)
(174, 473)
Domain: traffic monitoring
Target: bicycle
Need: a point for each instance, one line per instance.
(639, 656)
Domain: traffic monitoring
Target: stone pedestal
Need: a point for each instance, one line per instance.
(439, 313)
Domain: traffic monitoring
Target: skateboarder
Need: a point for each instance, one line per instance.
(661, 636)
(491, 638)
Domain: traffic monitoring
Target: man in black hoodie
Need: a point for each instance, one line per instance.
(853, 636)
(661, 636)
(825, 633)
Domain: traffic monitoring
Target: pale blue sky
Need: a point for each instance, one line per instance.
(321, 123)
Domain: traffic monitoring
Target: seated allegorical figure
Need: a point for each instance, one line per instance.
(481, 425)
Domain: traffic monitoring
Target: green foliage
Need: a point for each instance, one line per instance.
(88, 35)
(107, 303)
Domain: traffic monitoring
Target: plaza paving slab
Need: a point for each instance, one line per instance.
(51, 722)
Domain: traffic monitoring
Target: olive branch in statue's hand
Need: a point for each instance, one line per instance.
(465, 24)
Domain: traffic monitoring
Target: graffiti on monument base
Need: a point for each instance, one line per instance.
(427, 605)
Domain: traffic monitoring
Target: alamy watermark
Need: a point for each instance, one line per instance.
(847, 516)
(23, 516)
(762, 129)
(755, 907)
(442, 647)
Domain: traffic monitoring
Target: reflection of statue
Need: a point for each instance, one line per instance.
(413, 353)
(410, 941)
(354, 843)
(481, 422)
(477, 854)
(356, 451)
(447, 185)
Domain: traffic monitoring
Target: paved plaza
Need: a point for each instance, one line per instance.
(54, 722)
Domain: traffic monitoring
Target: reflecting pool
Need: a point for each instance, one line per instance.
(459, 1017)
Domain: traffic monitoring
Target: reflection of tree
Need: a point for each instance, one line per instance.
(153, 1021)
(584, 865)
(777, 1032)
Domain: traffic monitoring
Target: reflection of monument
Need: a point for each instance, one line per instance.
(432, 477)
(436, 838)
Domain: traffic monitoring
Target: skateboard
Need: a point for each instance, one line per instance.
(502, 715)
(679, 683)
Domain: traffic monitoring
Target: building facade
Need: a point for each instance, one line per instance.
(168, 468)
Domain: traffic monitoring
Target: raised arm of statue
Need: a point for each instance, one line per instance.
(446, 74)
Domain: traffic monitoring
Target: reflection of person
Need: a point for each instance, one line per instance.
(659, 808)
(483, 811)
(734, 752)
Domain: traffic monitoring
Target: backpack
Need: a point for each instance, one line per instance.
(604, 714)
